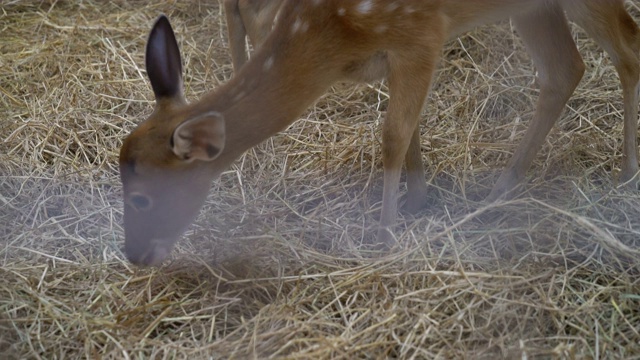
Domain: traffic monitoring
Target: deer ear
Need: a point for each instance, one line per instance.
(199, 138)
(162, 60)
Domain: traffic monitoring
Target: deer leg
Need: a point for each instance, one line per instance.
(260, 22)
(251, 17)
(617, 33)
(547, 37)
(237, 34)
(409, 79)
(416, 184)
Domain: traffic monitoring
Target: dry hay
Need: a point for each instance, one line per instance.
(275, 267)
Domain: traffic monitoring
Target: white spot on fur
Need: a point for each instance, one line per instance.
(365, 6)
(296, 26)
(316, 2)
(341, 11)
(268, 64)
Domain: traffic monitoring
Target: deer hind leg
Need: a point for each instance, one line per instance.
(416, 184)
(614, 30)
(548, 40)
(409, 79)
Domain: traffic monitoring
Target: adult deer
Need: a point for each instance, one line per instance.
(252, 18)
(168, 162)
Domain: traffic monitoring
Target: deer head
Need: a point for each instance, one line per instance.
(161, 161)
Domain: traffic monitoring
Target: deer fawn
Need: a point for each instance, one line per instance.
(248, 17)
(168, 162)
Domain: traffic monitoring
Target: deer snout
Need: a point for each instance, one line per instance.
(149, 253)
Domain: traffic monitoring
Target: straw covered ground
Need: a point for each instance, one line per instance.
(275, 265)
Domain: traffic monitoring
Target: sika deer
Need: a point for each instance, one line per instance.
(248, 17)
(169, 161)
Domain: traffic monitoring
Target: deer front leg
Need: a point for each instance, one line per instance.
(409, 80)
(258, 17)
(547, 37)
(237, 34)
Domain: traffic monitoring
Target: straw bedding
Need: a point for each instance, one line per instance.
(276, 266)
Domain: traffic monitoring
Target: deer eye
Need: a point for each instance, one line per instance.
(140, 202)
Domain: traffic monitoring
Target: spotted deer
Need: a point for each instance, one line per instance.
(252, 18)
(169, 161)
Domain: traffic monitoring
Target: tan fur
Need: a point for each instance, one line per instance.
(318, 42)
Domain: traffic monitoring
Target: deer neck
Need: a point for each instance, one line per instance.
(265, 97)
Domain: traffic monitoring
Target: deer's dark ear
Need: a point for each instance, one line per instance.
(200, 138)
(163, 62)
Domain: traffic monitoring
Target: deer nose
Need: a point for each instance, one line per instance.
(146, 254)
(139, 201)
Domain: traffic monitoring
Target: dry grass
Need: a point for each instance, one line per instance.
(275, 268)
